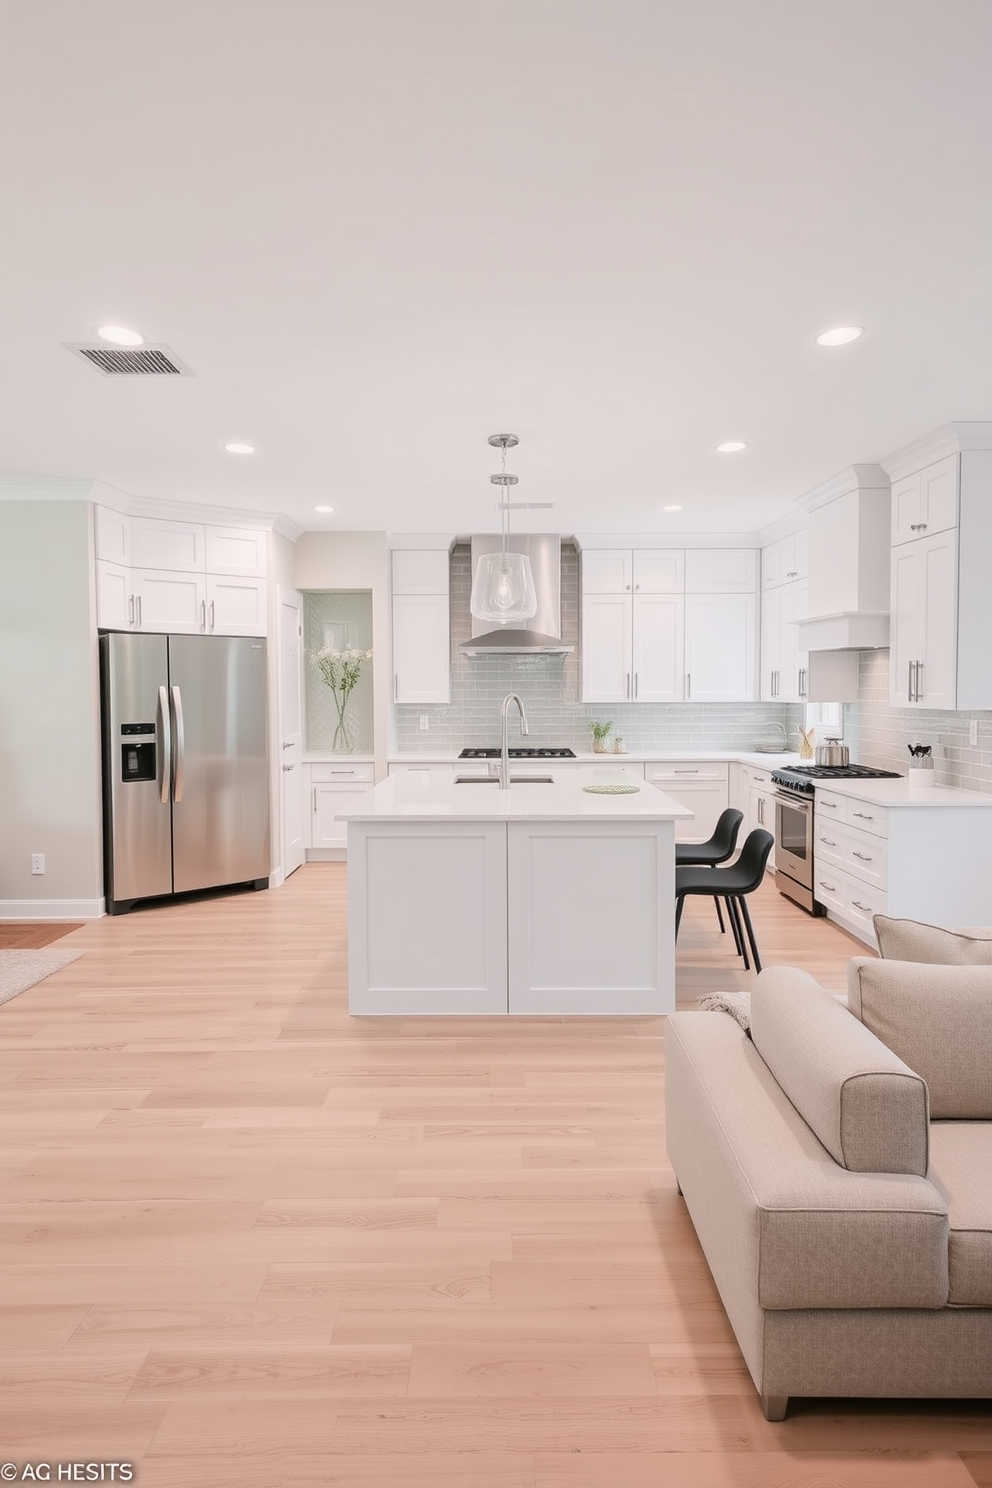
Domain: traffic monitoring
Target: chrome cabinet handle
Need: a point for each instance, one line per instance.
(637, 676)
(830, 888)
(315, 800)
(396, 690)
(688, 684)
(203, 614)
(287, 768)
(139, 611)
(830, 805)
(792, 573)
(289, 745)
(827, 842)
(919, 681)
(865, 857)
(211, 614)
(865, 908)
(627, 692)
(865, 815)
(687, 771)
(130, 609)
(917, 526)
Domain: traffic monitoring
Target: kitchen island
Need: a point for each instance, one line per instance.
(541, 899)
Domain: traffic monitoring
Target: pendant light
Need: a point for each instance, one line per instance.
(503, 590)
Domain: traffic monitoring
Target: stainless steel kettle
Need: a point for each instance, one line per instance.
(833, 753)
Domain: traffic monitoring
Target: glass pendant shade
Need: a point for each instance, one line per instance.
(503, 588)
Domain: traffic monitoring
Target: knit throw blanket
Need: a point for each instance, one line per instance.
(737, 1004)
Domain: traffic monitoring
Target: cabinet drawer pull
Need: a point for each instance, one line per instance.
(830, 888)
(864, 815)
(693, 771)
(864, 908)
(688, 684)
(865, 857)
(917, 526)
(827, 842)
(830, 805)
(203, 614)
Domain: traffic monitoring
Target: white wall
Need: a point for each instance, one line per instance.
(49, 712)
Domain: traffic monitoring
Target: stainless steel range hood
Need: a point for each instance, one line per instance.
(543, 636)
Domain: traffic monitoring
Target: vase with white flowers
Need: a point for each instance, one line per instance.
(341, 669)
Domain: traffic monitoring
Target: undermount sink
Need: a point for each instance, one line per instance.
(514, 780)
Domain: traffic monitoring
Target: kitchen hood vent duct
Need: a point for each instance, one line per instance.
(137, 361)
(543, 638)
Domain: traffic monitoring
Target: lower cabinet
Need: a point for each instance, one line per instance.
(333, 788)
(701, 785)
(758, 805)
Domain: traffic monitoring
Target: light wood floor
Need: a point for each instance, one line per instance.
(250, 1242)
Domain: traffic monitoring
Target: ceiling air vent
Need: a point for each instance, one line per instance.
(131, 361)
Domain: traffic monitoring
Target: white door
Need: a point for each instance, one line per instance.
(607, 662)
(658, 648)
(719, 648)
(291, 728)
(905, 636)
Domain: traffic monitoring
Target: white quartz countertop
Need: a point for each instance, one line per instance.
(903, 793)
(635, 756)
(413, 796)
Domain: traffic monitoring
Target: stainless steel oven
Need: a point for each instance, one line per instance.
(794, 849)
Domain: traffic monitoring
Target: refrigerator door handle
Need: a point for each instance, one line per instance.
(163, 703)
(180, 769)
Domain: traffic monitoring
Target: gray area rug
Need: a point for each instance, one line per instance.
(20, 970)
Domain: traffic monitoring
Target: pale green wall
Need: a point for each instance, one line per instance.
(49, 704)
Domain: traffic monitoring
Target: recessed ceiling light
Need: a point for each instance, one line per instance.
(839, 335)
(120, 336)
(240, 449)
(672, 507)
(324, 508)
(730, 447)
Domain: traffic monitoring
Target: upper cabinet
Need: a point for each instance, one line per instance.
(665, 625)
(189, 578)
(421, 625)
(785, 561)
(941, 596)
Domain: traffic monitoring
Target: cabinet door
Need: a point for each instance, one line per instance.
(721, 570)
(771, 643)
(907, 508)
(905, 633)
(720, 648)
(762, 814)
(420, 571)
(326, 801)
(658, 570)
(607, 648)
(177, 546)
(658, 648)
(606, 571)
(112, 533)
(793, 663)
(235, 550)
(704, 793)
(421, 649)
(236, 606)
(114, 597)
(169, 601)
(937, 673)
(926, 502)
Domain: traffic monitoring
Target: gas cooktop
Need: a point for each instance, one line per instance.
(803, 778)
(565, 753)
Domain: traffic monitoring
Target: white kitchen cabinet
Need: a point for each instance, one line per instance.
(721, 570)
(758, 806)
(421, 648)
(720, 636)
(632, 648)
(421, 625)
(923, 633)
(174, 602)
(236, 606)
(114, 596)
(334, 787)
(703, 786)
(237, 551)
(784, 667)
(633, 571)
(925, 502)
(179, 547)
(785, 561)
(112, 535)
(430, 772)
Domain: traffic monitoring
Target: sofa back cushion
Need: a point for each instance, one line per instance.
(865, 1105)
(939, 1020)
(912, 940)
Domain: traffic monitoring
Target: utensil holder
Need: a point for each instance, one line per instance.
(921, 774)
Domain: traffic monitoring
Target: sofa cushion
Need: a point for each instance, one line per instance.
(961, 1170)
(911, 940)
(865, 1105)
(939, 1020)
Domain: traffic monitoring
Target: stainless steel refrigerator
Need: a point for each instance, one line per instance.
(185, 764)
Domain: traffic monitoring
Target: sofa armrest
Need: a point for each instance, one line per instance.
(776, 1216)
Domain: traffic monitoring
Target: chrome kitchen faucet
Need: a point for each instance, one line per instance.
(504, 747)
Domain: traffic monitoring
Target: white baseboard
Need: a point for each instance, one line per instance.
(52, 909)
(276, 878)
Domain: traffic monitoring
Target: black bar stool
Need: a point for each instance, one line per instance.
(732, 884)
(716, 849)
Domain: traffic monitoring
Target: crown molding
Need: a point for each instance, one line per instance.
(851, 478)
(44, 488)
(782, 527)
(949, 439)
(286, 527)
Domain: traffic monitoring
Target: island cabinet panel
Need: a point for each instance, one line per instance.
(591, 918)
(427, 918)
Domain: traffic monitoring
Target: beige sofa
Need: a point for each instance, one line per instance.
(841, 1184)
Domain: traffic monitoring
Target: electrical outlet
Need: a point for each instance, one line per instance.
(973, 733)
(37, 862)
(425, 723)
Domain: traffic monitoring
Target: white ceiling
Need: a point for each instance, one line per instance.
(380, 230)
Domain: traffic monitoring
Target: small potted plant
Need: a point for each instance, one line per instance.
(599, 733)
